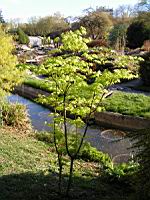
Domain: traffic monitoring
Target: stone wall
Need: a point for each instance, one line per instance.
(116, 120)
(29, 92)
(105, 119)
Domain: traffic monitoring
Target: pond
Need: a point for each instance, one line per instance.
(107, 142)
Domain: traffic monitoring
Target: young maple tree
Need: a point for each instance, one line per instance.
(68, 79)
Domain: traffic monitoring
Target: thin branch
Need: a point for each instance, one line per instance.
(65, 125)
(86, 127)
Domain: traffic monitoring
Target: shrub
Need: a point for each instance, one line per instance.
(121, 172)
(9, 74)
(22, 37)
(145, 69)
(15, 115)
(141, 141)
(87, 153)
(135, 35)
(44, 137)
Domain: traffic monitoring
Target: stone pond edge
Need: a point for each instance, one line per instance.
(105, 119)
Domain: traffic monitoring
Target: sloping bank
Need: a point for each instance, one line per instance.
(105, 119)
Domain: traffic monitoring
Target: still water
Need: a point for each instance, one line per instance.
(39, 116)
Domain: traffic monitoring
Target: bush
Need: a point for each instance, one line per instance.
(136, 35)
(141, 141)
(145, 69)
(15, 115)
(104, 58)
(9, 74)
(121, 173)
(87, 153)
(22, 37)
(44, 137)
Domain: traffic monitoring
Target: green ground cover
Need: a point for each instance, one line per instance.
(128, 104)
(38, 84)
(28, 170)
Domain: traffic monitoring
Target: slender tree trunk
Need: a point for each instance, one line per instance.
(1, 116)
(59, 161)
(70, 177)
(60, 174)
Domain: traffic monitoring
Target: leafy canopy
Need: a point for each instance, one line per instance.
(68, 78)
(74, 41)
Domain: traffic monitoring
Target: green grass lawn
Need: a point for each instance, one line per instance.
(28, 170)
(38, 84)
(22, 154)
(128, 104)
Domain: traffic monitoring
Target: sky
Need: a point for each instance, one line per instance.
(24, 9)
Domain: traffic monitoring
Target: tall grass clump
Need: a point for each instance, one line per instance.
(15, 115)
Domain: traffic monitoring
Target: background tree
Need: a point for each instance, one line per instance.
(45, 25)
(145, 69)
(2, 21)
(144, 18)
(144, 5)
(22, 37)
(117, 36)
(30, 28)
(97, 24)
(139, 30)
(135, 35)
(124, 13)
